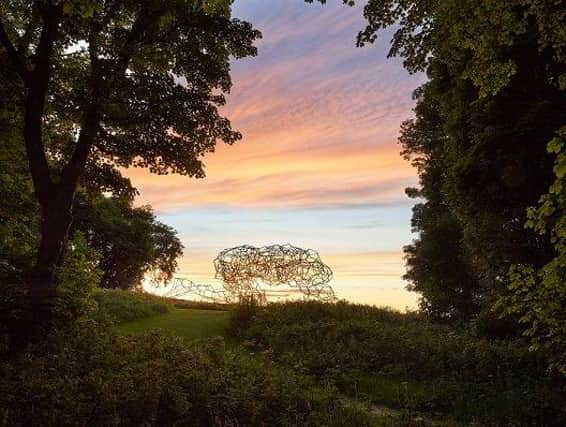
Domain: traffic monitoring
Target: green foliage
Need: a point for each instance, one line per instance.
(494, 99)
(18, 207)
(125, 306)
(538, 295)
(147, 47)
(164, 44)
(87, 375)
(490, 381)
(241, 318)
(130, 240)
(485, 30)
(438, 267)
(77, 278)
(82, 75)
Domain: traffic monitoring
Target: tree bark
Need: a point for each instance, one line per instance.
(56, 222)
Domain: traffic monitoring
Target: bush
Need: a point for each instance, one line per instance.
(125, 306)
(78, 278)
(348, 345)
(86, 375)
(243, 316)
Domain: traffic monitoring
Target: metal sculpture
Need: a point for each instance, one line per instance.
(183, 287)
(246, 269)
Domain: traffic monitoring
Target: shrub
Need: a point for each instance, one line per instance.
(463, 375)
(124, 306)
(86, 375)
(78, 278)
(243, 315)
(201, 305)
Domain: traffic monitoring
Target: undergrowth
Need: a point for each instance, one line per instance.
(125, 306)
(406, 362)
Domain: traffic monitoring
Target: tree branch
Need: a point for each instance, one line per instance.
(15, 58)
(35, 105)
(76, 165)
(101, 80)
(26, 38)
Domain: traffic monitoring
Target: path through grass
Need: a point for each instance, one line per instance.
(187, 323)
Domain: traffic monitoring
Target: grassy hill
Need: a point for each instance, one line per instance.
(401, 368)
(185, 322)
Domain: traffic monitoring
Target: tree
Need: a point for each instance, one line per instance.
(538, 295)
(130, 241)
(115, 82)
(438, 267)
(495, 70)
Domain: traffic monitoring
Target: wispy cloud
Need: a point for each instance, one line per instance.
(320, 119)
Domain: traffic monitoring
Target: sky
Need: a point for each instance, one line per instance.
(319, 164)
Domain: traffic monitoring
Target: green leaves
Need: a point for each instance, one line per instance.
(494, 99)
(82, 8)
(130, 241)
(217, 6)
(539, 295)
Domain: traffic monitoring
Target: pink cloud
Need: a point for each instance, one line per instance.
(320, 120)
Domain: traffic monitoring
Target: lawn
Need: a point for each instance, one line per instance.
(187, 323)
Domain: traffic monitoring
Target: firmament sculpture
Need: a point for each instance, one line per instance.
(183, 287)
(246, 271)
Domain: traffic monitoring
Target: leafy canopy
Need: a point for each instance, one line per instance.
(151, 73)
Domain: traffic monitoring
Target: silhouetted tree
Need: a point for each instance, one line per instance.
(494, 79)
(130, 241)
(438, 267)
(125, 83)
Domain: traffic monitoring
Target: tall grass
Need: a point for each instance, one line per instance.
(404, 361)
(125, 306)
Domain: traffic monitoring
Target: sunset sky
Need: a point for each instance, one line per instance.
(319, 165)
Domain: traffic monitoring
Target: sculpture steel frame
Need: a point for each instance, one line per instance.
(247, 270)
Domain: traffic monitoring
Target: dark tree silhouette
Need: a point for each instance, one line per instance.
(114, 82)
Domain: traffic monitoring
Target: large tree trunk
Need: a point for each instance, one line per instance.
(56, 222)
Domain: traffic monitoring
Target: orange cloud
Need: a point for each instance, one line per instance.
(317, 129)
(302, 147)
(288, 179)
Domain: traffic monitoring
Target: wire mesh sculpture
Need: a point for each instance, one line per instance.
(182, 287)
(245, 269)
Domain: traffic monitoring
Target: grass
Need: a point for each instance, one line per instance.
(406, 363)
(399, 367)
(126, 306)
(191, 324)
